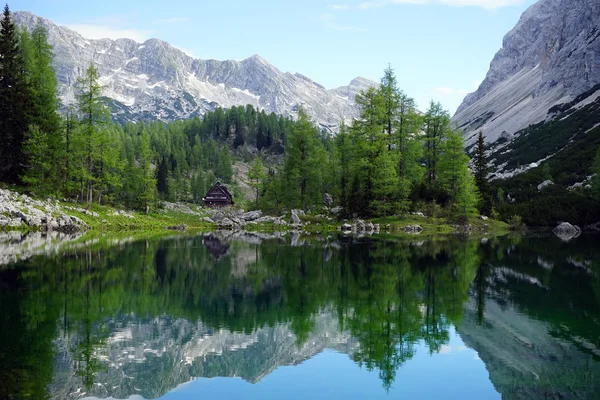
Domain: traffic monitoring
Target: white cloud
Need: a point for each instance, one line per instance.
(330, 21)
(93, 31)
(487, 4)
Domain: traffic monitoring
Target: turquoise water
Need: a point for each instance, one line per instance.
(247, 317)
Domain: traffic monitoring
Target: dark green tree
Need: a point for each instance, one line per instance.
(14, 102)
(481, 171)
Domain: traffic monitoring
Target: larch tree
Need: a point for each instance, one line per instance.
(436, 125)
(93, 114)
(455, 177)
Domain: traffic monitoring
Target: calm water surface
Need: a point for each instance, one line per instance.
(209, 316)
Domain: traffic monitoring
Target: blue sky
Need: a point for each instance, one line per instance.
(439, 49)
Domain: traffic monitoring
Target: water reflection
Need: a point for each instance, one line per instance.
(141, 318)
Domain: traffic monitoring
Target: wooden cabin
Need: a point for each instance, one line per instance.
(218, 196)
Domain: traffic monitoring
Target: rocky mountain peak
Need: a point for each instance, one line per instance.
(550, 57)
(154, 80)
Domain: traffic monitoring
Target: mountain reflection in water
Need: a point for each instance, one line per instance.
(142, 317)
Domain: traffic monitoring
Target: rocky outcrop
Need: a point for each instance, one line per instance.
(21, 211)
(17, 246)
(154, 80)
(549, 58)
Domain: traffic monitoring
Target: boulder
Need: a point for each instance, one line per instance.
(336, 210)
(360, 225)
(346, 228)
(369, 227)
(544, 184)
(327, 199)
(298, 212)
(295, 219)
(251, 215)
(207, 220)
(483, 217)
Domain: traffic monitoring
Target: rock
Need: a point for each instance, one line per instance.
(483, 217)
(207, 220)
(298, 212)
(327, 199)
(413, 229)
(419, 214)
(336, 210)
(225, 223)
(369, 227)
(251, 215)
(295, 220)
(376, 228)
(544, 184)
(565, 231)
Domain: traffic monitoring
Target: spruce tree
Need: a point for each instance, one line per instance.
(43, 86)
(481, 174)
(596, 177)
(162, 179)
(14, 102)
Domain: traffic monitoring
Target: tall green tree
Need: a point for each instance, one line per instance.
(14, 102)
(304, 158)
(436, 125)
(596, 177)
(93, 114)
(256, 174)
(455, 176)
(481, 171)
(43, 85)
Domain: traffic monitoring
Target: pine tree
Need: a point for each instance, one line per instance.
(43, 86)
(14, 102)
(481, 174)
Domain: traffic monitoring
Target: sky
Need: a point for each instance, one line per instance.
(439, 49)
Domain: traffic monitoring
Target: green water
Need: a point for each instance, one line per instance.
(322, 318)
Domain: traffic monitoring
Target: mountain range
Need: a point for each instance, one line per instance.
(154, 80)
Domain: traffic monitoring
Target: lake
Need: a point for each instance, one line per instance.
(257, 317)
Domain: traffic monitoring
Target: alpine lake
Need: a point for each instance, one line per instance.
(222, 316)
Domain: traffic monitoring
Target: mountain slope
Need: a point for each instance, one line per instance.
(549, 58)
(154, 80)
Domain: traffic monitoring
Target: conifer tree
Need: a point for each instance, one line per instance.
(436, 126)
(481, 174)
(162, 179)
(43, 86)
(596, 177)
(14, 102)
(455, 176)
(93, 116)
(304, 159)
(256, 176)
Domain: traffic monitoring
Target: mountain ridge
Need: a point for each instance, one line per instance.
(155, 80)
(550, 57)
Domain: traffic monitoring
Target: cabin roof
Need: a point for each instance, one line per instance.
(218, 192)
